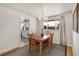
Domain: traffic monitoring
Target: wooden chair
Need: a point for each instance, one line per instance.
(32, 43)
(51, 37)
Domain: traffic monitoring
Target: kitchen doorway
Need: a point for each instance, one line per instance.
(24, 30)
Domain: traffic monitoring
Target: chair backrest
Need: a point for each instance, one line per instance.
(31, 38)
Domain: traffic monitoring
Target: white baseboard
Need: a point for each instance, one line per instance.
(9, 50)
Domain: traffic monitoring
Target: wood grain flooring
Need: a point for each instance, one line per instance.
(69, 51)
(57, 50)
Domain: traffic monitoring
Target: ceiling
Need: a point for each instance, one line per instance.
(35, 9)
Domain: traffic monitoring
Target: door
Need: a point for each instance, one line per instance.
(24, 27)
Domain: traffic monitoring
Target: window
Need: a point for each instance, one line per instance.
(51, 24)
(57, 23)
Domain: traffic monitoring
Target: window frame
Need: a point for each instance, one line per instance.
(55, 24)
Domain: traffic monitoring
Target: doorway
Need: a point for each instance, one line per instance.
(24, 30)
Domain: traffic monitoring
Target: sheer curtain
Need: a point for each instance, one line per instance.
(63, 37)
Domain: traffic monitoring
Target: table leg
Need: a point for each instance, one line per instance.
(29, 48)
(50, 43)
(40, 48)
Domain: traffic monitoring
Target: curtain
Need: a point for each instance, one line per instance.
(63, 37)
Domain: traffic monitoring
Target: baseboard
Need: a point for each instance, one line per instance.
(10, 50)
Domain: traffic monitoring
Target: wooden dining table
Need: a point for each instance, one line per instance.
(41, 40)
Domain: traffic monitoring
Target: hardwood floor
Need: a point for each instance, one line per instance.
(69, 51)
(22, 51)
(57, 50)
(24, 42)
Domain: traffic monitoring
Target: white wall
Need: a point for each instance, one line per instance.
(9, 28)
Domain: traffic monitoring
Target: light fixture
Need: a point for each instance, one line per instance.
(43, 17)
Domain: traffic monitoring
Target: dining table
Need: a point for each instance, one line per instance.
(41, 39)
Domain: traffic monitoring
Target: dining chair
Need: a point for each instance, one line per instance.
(50, 41)
(32, 43)
(51, 37)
